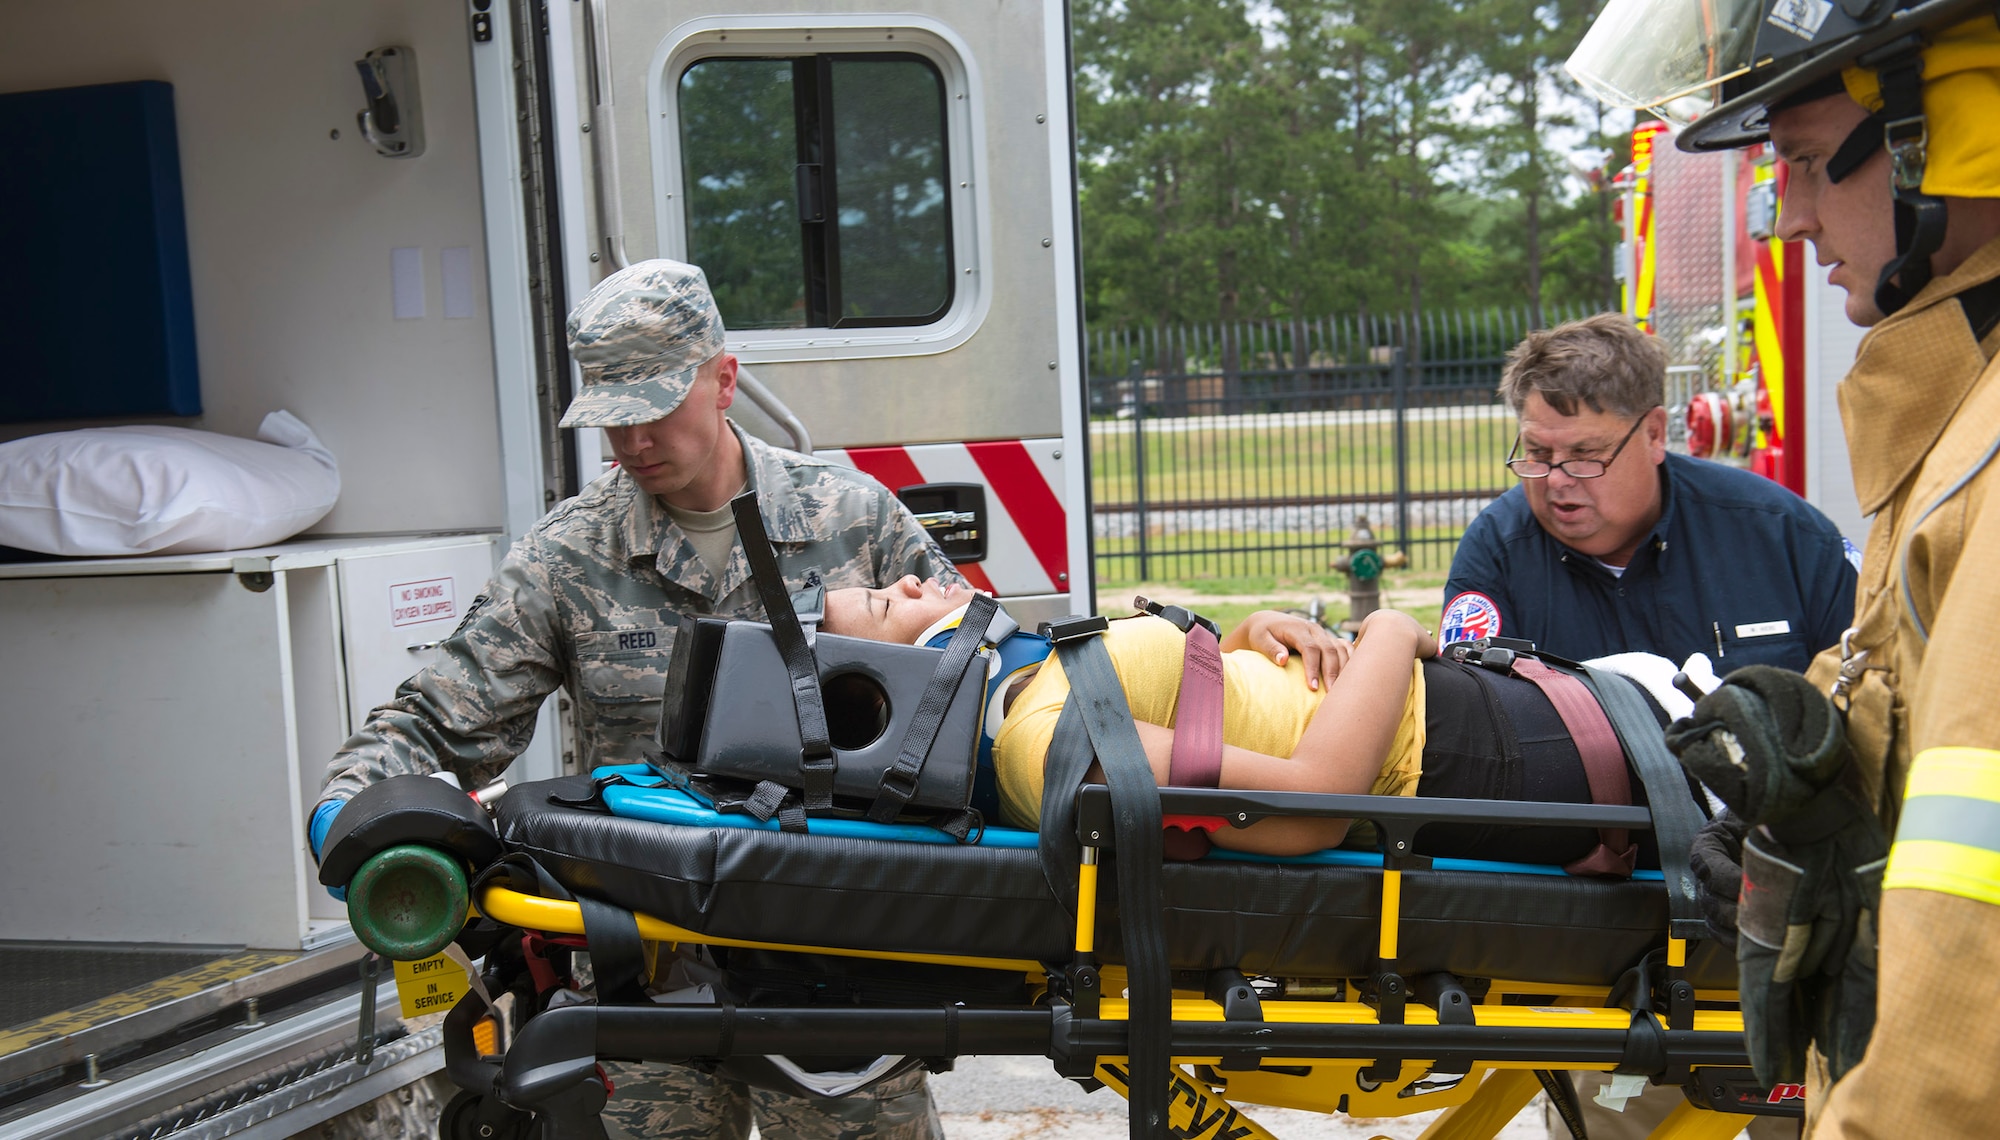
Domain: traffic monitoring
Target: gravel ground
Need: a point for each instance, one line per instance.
(1019, 1098)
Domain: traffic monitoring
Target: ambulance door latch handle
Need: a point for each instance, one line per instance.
(953, 514)
(393, 120)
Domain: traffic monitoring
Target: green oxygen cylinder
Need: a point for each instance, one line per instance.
(408, 902)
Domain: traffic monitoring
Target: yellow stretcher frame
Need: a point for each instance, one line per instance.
(1200, 1106)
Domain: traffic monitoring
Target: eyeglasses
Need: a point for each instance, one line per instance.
(1574, 468)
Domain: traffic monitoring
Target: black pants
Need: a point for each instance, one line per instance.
(1490, 736)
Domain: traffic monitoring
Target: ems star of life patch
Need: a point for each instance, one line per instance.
(1467, 617)
(1853, 553)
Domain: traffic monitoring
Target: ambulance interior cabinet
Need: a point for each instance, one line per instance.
(165, 722)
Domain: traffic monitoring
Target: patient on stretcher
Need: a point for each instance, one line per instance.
(1389, 718)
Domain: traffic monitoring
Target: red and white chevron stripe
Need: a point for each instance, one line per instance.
(1026, 547)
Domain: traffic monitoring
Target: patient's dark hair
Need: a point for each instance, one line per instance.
(1602, 362)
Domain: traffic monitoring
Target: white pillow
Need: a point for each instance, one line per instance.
(102, 492)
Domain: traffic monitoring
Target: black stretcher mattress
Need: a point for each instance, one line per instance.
(1271, 919)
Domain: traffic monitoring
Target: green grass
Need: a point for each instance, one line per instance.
(1304, 457)
(1273, 592)
(1306, 460)
(1227, 615)
(1217, 587)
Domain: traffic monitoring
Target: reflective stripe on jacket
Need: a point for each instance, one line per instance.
(1948, 839)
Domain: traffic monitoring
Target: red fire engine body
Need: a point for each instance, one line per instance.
(1756, 339)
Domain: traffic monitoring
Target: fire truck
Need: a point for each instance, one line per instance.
(1756, 338)
(376, 214)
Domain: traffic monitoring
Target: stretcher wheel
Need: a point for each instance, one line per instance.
(465, 1118)
(408, 903)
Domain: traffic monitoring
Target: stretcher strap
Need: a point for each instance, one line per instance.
(1096, 720)
(1561, 1090)
(617, 953)
(617, 956)
(766, 800)
(1676, 818)
(1197, 756)
(1057, 844)
(462, 1055)
(816, 765)
(899, 782)
(1603, 763)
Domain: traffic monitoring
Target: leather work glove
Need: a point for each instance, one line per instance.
(1811, 855)
(1765, 742)
(1805, 956)
(1716, 857)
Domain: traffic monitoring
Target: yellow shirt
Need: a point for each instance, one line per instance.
(1264, 709)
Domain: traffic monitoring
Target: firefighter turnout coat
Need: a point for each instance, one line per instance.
(1920, 681)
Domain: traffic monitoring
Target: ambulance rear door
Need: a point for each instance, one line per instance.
(884, 203)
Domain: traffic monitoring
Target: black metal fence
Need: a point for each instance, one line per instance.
(1257, 448)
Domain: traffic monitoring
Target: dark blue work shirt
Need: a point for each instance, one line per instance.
(1738, 568)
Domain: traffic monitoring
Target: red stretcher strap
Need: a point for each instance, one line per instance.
(1603, 763)
(1196, 761)
(1197, 756)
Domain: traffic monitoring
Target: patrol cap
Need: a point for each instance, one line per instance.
(638, 338)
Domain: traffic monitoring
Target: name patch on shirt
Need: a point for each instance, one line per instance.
(1763, 629)
(1468, 617)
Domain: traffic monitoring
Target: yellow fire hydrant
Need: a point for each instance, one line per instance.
(1363, 563)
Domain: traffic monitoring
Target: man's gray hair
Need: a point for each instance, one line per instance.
(1603, 362)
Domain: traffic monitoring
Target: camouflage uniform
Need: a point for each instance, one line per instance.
(653, 1102)
(590, 600)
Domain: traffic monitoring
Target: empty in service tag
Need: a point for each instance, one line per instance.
(430, 986)
(1763, 629)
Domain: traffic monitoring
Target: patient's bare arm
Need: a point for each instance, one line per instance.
(1342, 749)
(1279, 635)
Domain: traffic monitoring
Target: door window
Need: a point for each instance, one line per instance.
(816, 188)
